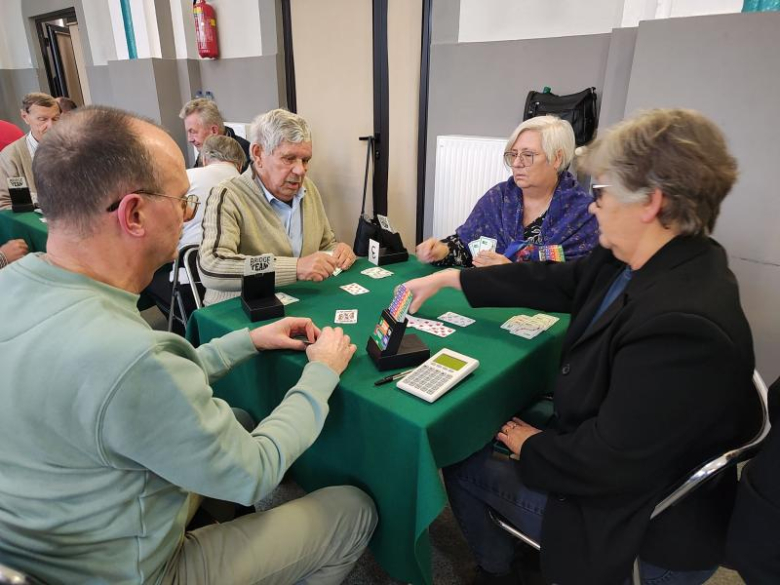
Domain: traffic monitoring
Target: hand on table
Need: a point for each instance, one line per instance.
(431, 250)
(343, 255)
(427, 286)
(14, 249)
(514, 434)
(279, 335)
(316, 267)
(333, 349)
(489, 258)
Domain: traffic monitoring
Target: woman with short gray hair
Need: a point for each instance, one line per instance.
(539, 213)
(655, 378)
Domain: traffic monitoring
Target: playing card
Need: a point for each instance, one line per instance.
(354, 289)
(440, 330)
(346, 316)
(547, 320)
(376, 272)
(259, 264)
(337, 270)
(373, 252)
(526, 333)
(474, 247)
(456, 319)
(286, 299)
(488, 244)
(384, 223)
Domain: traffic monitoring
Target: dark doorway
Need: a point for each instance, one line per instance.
(62, 55)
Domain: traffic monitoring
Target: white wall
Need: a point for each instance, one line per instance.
(503, 20)
(183, 29)
(14, 52)
(238, 24)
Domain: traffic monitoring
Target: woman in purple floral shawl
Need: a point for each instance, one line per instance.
(539, 213)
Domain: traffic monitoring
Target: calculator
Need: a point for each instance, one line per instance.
(431, 379)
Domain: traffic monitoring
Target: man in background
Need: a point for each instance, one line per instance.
(40, 112)
(202, 119)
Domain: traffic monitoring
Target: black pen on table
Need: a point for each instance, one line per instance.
(392, 377)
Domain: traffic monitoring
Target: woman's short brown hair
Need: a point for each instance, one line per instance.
(680, 152)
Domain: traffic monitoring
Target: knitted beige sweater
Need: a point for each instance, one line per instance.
(239, 222)
(15, 161)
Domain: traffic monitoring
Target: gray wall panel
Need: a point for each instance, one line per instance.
(134, 87)
(100, 87)
(727, 67)
(14, 84)
(445, 15)
(480, 88)
(166, 75)
(243, 88)
(616, 76)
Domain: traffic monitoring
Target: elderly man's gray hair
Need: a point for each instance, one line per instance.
(224, 149)
(207, 111)
(557, 136)
(269, 130)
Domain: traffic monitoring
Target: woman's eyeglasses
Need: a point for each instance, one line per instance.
(526, 158)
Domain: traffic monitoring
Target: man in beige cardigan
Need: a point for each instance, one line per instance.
(39, 111)
(271, 208)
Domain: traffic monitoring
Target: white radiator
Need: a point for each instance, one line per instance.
(466, 167)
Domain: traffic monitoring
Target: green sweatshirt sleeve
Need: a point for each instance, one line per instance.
(162, 416)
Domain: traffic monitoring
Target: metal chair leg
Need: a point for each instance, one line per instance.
(175, 282)
(636, 577)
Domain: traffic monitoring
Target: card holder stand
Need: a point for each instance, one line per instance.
(21, 200)
(402, 351)
(258, 299)
(391, 248)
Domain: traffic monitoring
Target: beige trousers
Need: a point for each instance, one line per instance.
(313, 540)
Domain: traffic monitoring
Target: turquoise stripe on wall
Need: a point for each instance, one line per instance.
(127, 17)
(760, 5)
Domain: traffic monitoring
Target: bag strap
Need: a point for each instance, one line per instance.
(369, 150)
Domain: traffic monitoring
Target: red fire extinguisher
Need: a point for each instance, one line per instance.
(205, 29)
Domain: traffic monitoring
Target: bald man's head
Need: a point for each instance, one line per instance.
(94, 157)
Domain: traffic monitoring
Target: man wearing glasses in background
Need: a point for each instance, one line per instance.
(271, 208)
(110, 430)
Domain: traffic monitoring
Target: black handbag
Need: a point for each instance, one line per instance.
(367, 228)
(579, 109)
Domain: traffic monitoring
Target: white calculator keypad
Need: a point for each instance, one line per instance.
(430, 377)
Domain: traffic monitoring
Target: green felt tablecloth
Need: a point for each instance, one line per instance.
(390, 443)
(25, 226)
(29, 227)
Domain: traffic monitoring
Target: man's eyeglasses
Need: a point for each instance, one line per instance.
(526, 158)
(189, 203)
(596, 191)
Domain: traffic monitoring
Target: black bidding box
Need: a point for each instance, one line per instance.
(401, 351)
(21, 200)
(258, 299)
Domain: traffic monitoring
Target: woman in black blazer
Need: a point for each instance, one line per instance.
(655, 373)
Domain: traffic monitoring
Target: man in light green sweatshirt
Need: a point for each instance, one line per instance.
(109, 429)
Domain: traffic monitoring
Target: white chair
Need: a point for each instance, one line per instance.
(699, 476)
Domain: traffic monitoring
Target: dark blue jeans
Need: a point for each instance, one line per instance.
(482, 481)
